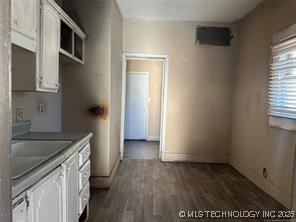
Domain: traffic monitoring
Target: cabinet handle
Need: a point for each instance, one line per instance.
(19, 202)
(40, 80)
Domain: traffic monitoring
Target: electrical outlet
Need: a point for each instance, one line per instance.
(42, 109)
(264, 172)
(19, 112)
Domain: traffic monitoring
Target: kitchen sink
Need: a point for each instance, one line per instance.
(26, 155)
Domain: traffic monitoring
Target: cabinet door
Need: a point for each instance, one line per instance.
(24, 17)
(19, 213)
(70, 193)
(50, 44)
(45, 198)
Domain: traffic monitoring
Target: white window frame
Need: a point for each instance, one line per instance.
(277, 121)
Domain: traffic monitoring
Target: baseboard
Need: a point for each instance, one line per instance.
(201, 158)
(267, 186)
(153, 138)
(105, 182)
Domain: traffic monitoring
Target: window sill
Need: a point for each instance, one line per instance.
(282, 123)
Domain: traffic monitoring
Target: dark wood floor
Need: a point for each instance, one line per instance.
(134, 149)
(149, 190)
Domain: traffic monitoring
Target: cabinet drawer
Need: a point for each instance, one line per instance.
(84, 174)
(83, 198)
(84, 154)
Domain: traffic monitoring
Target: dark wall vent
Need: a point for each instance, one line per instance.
(219, 36)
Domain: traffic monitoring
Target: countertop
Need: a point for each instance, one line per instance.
(79, 140)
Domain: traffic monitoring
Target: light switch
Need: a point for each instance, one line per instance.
(19, 112)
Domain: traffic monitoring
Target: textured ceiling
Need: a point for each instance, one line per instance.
(187, 10)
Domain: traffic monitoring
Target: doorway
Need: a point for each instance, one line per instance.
(136, 106)
(143, 116)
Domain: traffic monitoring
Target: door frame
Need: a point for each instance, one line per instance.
(164, 94)
(147, 101)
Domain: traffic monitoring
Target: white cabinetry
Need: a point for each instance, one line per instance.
(60, 196)
(84, 174)
(45, 198)
(70, 191)
(24, 21)
(39, 71)
(72, 41)
(19, 212)
(36, 30)
(50, 45)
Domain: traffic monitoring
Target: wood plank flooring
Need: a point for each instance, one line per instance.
(134, 149)
(150, 190)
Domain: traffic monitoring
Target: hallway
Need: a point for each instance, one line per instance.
(134, 149)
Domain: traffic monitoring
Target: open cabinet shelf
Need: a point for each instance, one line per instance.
(72, 44)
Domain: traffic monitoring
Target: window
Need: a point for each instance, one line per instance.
(282, 80)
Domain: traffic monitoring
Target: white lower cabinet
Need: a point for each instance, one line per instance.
(19, 212)
(84, 198)
(61, 196)
(84, 174)
(70, 188)
(46, 199)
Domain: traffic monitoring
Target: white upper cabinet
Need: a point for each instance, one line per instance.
(72, 41)
(36, 30)
(50, 45)
(46, 200)
(24, 19)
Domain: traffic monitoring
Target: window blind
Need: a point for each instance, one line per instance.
(282, 80)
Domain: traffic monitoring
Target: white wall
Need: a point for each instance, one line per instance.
(50, 121)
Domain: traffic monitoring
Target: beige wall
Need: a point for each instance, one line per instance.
(97, 82)
(154, 68)
(116, 81)
(255, 144)
(89, 84)
(199, 88)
